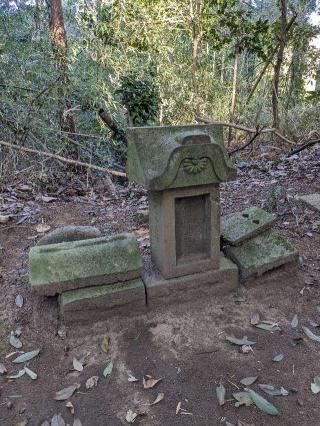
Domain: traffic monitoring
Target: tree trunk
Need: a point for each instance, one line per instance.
(59, 44)
(278, 64)
(195, 16)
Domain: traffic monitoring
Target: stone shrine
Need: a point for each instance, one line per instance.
(181, 167)
(97, 276)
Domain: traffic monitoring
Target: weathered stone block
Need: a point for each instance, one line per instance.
(99, 303)
(177, 156)
(161, 291)
(312, 201)
(60, 267)
(238, 227)
(69, 233)
(185, 230)
(265, 252)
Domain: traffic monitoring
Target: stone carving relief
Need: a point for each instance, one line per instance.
(195, 165)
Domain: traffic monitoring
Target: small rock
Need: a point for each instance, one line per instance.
(69, 233)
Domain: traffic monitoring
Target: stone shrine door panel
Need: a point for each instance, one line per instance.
(192, 228)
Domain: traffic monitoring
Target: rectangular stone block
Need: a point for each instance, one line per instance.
(261, 254)
(60, 267)
(241, 226)
(101, 302)
(312, 201)
(185, 230)
(207, 284)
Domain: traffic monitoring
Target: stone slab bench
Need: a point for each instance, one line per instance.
(65, 266)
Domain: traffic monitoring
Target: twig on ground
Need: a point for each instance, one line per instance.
(301, 148)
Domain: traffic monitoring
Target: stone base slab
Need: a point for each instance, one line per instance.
(282, 276)
(261, 254)
(161, 291)
(99, 303)
(56, 268)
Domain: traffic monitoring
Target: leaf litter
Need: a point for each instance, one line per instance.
(108, 370)
(248, 381)
(28, 356)
(77, 365)
(14, 341)
(315, 385)
(149, 382)
(263, 404)
(221, 394)
(240, 342)
(66, 393)
(271, 390)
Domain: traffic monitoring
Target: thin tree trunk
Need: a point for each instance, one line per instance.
(59, 44)
(195, 12)
(278, 64)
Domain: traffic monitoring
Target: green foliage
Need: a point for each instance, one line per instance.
(140, 95)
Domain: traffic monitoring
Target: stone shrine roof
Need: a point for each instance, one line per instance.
(177, 156)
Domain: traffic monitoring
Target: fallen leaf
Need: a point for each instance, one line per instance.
(57, 420)
(31, 373)
(70, 406)
(66, 393)
(178, 408)
(311, 335)
(263, 404)
(4, 219)
(14, 341)
(271, 390)
(248, 381)
(92, 382)
(77, 365)
(268, 326)
(278, 358)
(26, 356)
(159, 398)
(255, 318)
(19, 301)
(131, 416)
(314, 324)
(240, 342)
(3, 369)
(22, 422)
(45, 423)
(243, 398)
(77, 422)
(108, 370)
(131, 378)
(42, 228)
(18, 375)
(221, 393)
(47, 199)
(315, 385)
(149, 382)
(295, 321)
(105, 344)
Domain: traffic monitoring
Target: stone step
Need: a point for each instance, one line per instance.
(262, 253)
(90, 304)
(241, 226)
(60, 267)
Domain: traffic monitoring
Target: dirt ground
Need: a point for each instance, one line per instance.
(184, 344)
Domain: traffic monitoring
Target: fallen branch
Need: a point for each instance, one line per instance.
(257, 133)
(246, 129)
(112, 125)
(63, 159)
(235, 126)
(301, 148)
